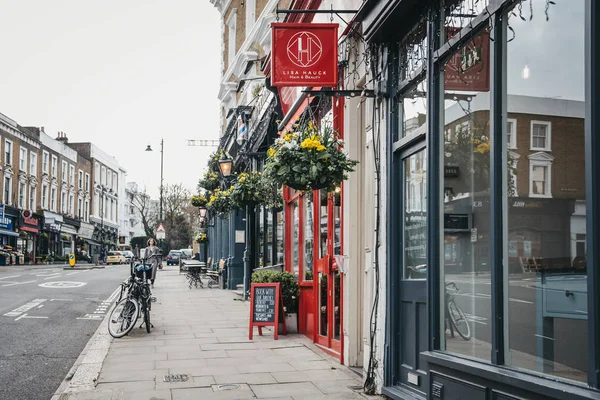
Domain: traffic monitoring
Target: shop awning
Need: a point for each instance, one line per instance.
(8, 233)
(68, 229)
(28, 229)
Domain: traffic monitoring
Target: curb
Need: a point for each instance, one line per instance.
(76, 268)
(85, 371)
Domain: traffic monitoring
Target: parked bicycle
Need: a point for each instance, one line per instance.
(138, 300)
(455, 317)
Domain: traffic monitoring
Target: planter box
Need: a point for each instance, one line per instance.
(291, 322)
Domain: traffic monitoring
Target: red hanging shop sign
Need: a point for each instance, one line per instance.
(304, 54)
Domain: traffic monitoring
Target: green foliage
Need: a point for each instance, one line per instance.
(199, 200)
(290, 292)
(248, 189)
(221, 202)
(307, 158)
(139, 241)
(209, 182)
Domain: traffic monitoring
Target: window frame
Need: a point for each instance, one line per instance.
(64, 171)
(548, 125)
(46, 163)
(7, 192)
(53, 194)
(54, 166)
(8, 154)
(23, 166)
(22, 195)
(32, 163)
(512, 144)
(548, 178)
(45, 195)
(32, 198)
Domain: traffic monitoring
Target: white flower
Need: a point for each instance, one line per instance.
(279, 141)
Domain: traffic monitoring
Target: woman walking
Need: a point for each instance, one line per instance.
(157, 261)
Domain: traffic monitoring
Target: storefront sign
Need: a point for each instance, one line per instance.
(469, 67)
(86, 230)
(450, 171)
(6, 223)
(456, 222)
(304, 54)
(266, 308)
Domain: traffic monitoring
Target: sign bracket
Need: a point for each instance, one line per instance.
(341, 93)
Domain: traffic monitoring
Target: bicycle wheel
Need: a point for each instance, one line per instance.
(459, 320)
(123, 317)
(147, 318)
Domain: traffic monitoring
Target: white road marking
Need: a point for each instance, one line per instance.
(40, 306)
(22, 316)
(103, 307)
(52, 277)
(24, 308)
(72, 273)
(61, 299)
(30, 316)
(62, 285)
(12, 276)
(91, 316)
(544, 337)
(17, 283)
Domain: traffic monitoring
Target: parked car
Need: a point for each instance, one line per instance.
(173, 257)
(128, 256)
(186, 254)
(115, 257)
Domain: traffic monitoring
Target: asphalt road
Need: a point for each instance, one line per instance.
(47, 316)
(570, 335)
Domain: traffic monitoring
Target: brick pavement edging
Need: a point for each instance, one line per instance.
(203, 334)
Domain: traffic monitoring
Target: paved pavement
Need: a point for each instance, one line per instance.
(47, 315)
(201, 335)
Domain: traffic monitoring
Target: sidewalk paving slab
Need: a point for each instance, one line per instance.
(200, 336)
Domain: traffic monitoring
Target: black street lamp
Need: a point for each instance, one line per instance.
(225, 166)
(103, 190)
(203, 212)
(148, 148)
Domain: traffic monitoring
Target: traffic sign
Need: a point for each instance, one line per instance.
(160, 228)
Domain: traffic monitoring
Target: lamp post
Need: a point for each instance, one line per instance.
(103, 189)
(149, 148)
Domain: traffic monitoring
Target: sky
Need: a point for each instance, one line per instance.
(119, 74)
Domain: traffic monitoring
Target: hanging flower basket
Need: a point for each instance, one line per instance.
(201, 238)
(210, 181)
(249, 189)
(199, 200)
(221, 202)
(308, 159)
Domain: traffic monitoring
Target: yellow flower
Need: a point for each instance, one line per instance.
(270, 152)
(320, 147)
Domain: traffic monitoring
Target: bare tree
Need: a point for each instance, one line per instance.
(146, 210)
(176, 200)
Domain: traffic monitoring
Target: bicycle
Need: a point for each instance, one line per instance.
(138, 300)
(455, 317)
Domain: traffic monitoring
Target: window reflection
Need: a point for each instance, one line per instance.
(295, 236)
(279, 237)
(324, 216)
(415, 216)
(546, 227)
(308, 237)
(466, 171)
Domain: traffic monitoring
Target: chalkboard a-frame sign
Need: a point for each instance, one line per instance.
(266, 308)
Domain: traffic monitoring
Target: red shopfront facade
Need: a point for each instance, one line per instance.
(313, 239)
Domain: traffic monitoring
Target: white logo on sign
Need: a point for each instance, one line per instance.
(304, 49)
(62, 285)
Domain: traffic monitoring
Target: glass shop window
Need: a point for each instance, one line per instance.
(546, 218)
(466, 293)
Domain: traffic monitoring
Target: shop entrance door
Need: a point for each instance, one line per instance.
(329, 280)
(412, 301)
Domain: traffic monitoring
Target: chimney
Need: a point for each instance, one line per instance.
(42, 129)
(62, 137)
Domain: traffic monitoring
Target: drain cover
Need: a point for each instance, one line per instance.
(171, 378)
(228, 387)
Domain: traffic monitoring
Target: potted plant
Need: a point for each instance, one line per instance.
(290, 293)
(249, 189)
(307, 158)
(220, 201)
(199, 200)
(210, 181)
